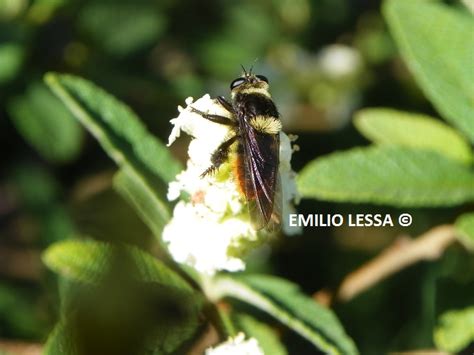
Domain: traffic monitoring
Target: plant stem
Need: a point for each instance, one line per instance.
(403, 253)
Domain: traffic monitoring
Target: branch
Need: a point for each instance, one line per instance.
(20, 348)
(402, 253)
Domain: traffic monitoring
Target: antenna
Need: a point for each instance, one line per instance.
(251, 68)
(245, 71)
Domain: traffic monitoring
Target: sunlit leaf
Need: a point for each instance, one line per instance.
(147, 162)
(46, 124)
(455, 330)
(465, 230)
(116, 127)
(388, 126)
(87, 261)
(396, 176)
(79, 260)
(436, 41)
(284, 301)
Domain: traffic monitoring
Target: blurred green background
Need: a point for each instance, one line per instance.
(324, 59)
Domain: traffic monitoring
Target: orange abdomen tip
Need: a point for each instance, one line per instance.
(239, 173)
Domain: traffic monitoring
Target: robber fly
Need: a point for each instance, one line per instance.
(255, 125)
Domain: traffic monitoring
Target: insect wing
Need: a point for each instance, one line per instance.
(261, 159)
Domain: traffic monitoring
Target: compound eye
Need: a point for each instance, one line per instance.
(237, 82)
(262, 78)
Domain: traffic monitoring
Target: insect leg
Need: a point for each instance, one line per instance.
(220, 155)
(215, 118)
(226, 104)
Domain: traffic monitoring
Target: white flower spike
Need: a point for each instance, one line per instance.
(237, 346)
(210, 229)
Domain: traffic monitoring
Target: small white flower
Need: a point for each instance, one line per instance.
(338, 60)
(197, 237)
(237, 346)
(211, 229)
(289, 190)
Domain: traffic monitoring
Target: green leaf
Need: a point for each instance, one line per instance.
(19, 312)
(266, 336)
(465, 230)
(391, 175)
(36, 187)
(436, 41)
(11, 59)
(120, 296)
(455, 330)
(153, 211)
(98, 327)
(123, 317)
(45, 123)
(153, 270)
(83, 261)
(60, 341)
(87, 261)
(124, 138)
(121, 28)
(144, 160)
(284, 301)
(387, 126)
